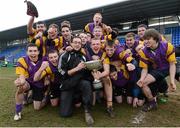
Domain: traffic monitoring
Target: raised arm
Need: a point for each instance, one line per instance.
(30, 25)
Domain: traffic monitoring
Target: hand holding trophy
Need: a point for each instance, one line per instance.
(94, 66)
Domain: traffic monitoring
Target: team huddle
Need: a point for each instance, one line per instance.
(55, 70)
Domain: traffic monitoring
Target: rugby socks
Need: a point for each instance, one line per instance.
(152, 101)
(18, 108)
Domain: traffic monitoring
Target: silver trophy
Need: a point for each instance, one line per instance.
(94, 66)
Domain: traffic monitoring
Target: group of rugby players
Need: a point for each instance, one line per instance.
(54, 69)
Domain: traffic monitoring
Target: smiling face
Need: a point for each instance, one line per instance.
(141, 31)
(76, 43)
(151, 43)
(130, 42)
(152, 38)
(33, 53)
(113, 75)
(89, 36)
(96, 45)
(97, 19)
(53, 58)
(52, 32)
(66, 33)
(83, 37)
(110, 50)
(97, 32)
(40, 27)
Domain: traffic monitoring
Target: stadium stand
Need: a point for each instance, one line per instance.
(121, 40)
(175, 32)
(12, 53)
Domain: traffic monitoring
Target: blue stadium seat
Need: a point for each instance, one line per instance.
(13, 52)
(175, 31)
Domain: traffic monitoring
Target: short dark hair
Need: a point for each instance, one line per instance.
(98, 13)
(52, 51)
(142, 25)
(130, 34)
(41, 22)
(31, 45)
(94, 39)
(112, 68)
(152, 33)
(97, 27)
(55, 26)
(74, 38)
(66, 23)
(109, 43)
(81, 33)
(90, 34)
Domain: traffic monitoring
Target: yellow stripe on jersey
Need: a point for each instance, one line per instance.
(142, 64)
(56, 41)
(22, 70)
(125, 72)
(123, 54)
(170, 53)
(108, 37)
(105, 58)
(60, 43)
(23, 62)
(83, 51)
(143, 56)
(38, 43)
(129, 59)
(47, 72)
(44, 46)
(141, 42)
(32, 35)
(87, 28)
(163, 39)
(43, 74)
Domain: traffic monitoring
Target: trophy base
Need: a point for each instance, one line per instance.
(97, 84)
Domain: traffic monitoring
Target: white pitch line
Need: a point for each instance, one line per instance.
(139, 118)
